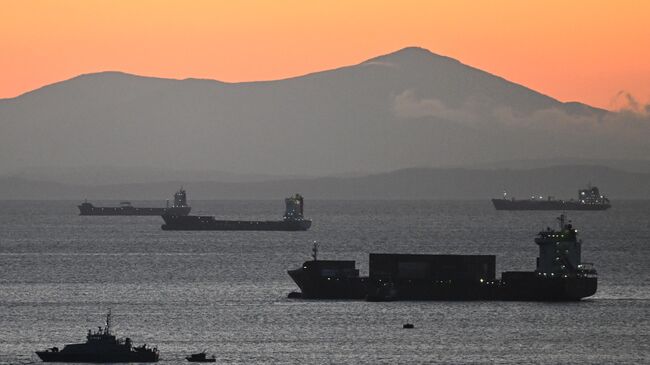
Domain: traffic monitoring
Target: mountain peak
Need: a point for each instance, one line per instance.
(409, 55)
(414, 50)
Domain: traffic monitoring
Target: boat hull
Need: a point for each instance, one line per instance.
(208, 223)
(504, 204)
(207, 359)
(97, 357)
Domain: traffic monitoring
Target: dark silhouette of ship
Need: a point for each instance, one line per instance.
(200, 357)
(179, 208)
(293, 220)
(101, 347)
(560, 275)
(588, 199)
(328, 279)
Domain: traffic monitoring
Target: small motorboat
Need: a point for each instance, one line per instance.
(201, 357)
(408, 325)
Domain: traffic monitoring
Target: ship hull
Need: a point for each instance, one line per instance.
(529, 286)
(98, 357)
(503, 204)
(208, 223)
(530, 289)
(108, 211)
(429, 290)
(318, 287)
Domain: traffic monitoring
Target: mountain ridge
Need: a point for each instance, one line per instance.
(428, 110)
(409, 51)
(411, 183)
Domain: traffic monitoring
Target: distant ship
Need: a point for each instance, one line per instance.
(293, 220)
(588, 199)
(560, 275)
(200, 357)
(101, 347)
(179, 208)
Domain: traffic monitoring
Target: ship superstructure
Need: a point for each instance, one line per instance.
(559, 274)
(294, 208)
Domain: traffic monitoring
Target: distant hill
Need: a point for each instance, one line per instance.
(405, 109)
(111, 175)
(642, 166)
(453, 183)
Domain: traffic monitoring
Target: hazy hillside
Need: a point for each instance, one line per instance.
(409, 108)
(559, 181)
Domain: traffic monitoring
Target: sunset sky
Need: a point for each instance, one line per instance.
(584, 51)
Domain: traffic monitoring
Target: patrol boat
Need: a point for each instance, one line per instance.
(101, 347)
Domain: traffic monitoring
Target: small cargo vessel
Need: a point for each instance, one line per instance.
(200, 357)
(588, 199)
(293, 220)
(560, 275)
(179, 208)
(101, 347)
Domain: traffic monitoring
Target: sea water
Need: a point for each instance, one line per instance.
(226, 292)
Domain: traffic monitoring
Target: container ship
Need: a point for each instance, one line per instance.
(293, 220)
(560, 275)
(179, 208)
(588, 199)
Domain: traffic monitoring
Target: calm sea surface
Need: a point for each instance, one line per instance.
(225, 292)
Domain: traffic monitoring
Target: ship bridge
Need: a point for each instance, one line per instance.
(560, 252)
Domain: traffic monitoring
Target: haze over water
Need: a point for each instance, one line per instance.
(225, 292)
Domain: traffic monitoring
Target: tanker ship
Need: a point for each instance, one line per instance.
(179, 208)
(560, 275)
(293, 220)
(588, 199)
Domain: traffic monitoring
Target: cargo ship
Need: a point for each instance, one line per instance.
(101, 347)
(588, 199)
(179, 208)
(293, 220)
(560, 275)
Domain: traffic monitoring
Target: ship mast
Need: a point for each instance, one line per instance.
(108, 322)
(314, 251)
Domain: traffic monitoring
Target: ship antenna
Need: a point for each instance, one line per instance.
(561, 221)
(108, 322)
(314, 251)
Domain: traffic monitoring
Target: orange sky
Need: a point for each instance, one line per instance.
(571, 50)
